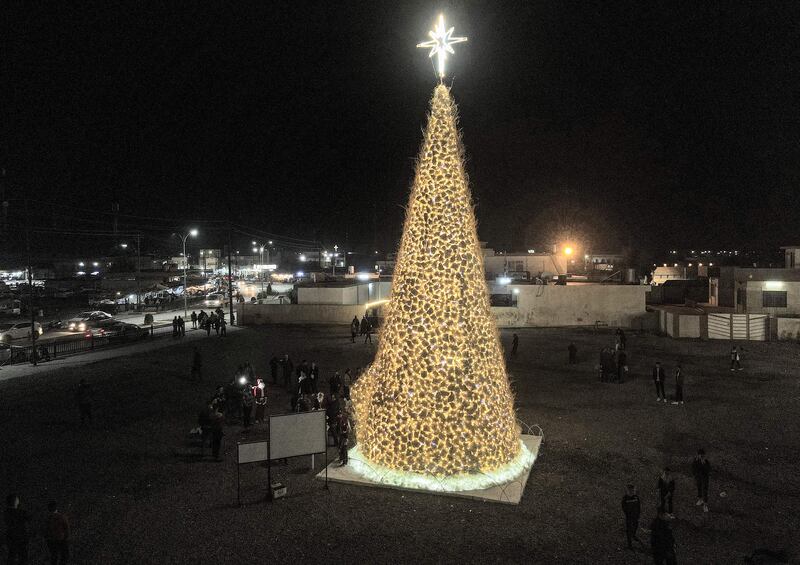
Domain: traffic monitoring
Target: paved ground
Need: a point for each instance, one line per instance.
(138, 492)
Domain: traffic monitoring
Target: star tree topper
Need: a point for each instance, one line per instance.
(440, 43)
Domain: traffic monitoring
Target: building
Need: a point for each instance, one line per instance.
(522, 266)
(792, 256)
(756, 291)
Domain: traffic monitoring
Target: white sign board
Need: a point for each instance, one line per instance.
(291, 435)
(252, 452)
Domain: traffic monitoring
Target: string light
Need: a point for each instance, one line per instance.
(436, 402)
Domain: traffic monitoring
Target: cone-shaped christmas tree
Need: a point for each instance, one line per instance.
(436, 400)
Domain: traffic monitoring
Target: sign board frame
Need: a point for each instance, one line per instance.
(273, 429)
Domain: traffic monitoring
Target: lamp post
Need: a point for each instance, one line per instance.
(183, 237)
(259, 248)
(333, 263)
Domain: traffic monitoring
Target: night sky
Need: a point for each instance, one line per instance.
(641, 125)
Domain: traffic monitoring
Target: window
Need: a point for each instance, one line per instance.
(774, 298)
(516, 266)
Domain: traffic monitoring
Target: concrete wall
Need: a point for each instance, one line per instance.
(789, 328)
(258, 314)
(344, 295)
(689, 326)
(580, 305)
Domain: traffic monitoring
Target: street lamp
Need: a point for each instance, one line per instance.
(260, 249)
(183, 237)
(335, 249)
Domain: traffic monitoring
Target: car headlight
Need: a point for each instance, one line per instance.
(71, 326)
(81, 327)
(41, 331)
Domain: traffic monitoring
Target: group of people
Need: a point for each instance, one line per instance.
(243, 399)
(18, 532)
(613, 361)
(364, 327)
(215, 321)
(662, 540)
(659, 378)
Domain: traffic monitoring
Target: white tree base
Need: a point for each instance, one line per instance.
(505, 485)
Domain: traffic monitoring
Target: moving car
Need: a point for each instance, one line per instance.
(86, 320)
(214, 300)
(18, 330)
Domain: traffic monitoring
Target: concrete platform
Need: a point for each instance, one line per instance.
(508, 493)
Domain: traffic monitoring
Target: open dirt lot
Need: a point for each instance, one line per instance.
(137, 491)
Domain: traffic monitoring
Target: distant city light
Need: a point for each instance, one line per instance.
(504, 280)
(303, 258)
(95, 264)
(124, 245)
(531, 251)
(300, 273)
(363, 276)
(516, 291)
(80, 264)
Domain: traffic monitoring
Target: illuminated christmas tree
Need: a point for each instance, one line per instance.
(435, 408)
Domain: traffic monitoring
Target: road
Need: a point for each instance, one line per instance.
(80, 359)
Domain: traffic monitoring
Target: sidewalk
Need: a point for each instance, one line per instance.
(79, 359)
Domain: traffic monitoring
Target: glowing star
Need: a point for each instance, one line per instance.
(441, 43)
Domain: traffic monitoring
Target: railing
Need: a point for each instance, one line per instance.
(84, 342)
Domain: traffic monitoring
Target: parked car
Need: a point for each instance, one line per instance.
(86, 320)
(18, 330)
(12, 353)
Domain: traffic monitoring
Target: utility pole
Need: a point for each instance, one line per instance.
(138, 270)
(230, 277)
(34, 334)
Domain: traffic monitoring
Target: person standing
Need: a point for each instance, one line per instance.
(347, 382)
(343, 427)
(662, 542)
(678, 385)
(573, 353)
(260, 398)
(354, 327)
(701, 470)
(622, 365)
(57, 535)
(223, 332)
(247, 406)
(363, 325)
(666, 490)
(193, 317)
(175, 326)
(367, 329)
(208, 323)
(197, 366)
(632, 507)
(16, 531)
(273, 369)
(313, 374)
(217, 421)
(514, 345)
(658, 379)
(288, 369)
(181, 326)
(83, 396)
(736, 360)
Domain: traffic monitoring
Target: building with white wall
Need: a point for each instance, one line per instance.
(757, 291)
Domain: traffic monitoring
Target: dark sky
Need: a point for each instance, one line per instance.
(652, 124)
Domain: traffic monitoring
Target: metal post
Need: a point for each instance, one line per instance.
(185, 264)
(230, 279)
(30, 283)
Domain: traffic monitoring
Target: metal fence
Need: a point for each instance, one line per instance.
(84, 342)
